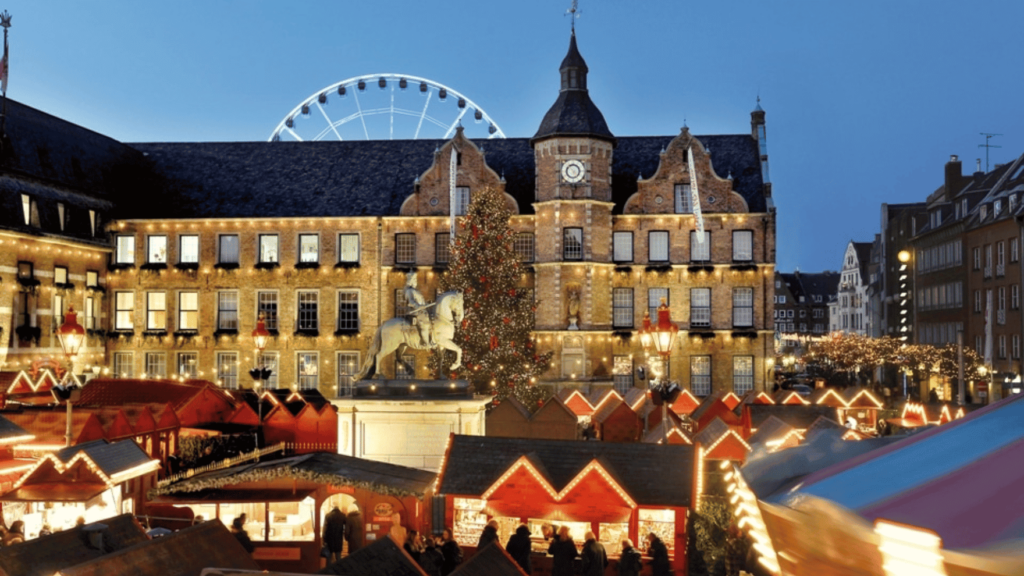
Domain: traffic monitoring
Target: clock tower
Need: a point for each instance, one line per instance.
(573, 204)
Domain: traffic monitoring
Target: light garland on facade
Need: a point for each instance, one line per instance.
(110, 481)
(593, 466)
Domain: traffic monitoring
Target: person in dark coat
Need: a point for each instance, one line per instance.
(354, 529)
(334, 534)
(241, 535)
(490, 534)
(630, 561)
(452, 553)
(414, 545)
(735, 552)
(593, 556)
(563, 551)
(519, 547)
(659, 555)
(431, 559)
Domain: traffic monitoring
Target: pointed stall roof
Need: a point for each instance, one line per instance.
(490, 561)
(772, 429)
(383, 556)
(799, 417)
(48, 555)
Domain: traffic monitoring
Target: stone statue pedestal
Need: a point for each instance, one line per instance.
(572, 323)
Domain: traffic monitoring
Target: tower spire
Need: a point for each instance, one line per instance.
(574, 12)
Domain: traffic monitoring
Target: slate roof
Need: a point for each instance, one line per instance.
(337, 469)
(574, 113)
(186, 552)
(474, 463)
(45, 556)
(712, 432)
(374, 177)
(491, 560)
(118, 391)
(383, 556)
(111, 458)
(823, 423)
(771, 429)
(799, 417)
(56, 161)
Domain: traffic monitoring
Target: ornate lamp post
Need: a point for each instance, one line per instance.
(71, 335)
(260, 373)
(661, 338)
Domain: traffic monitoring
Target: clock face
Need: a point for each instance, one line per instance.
(573, 171)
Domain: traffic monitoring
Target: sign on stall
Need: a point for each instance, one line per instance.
(277, 554)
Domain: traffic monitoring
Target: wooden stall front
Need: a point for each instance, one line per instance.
(285, 501)
(615, 490)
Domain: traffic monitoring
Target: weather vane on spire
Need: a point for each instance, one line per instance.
(574, 13)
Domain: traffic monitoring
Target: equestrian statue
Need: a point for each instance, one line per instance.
(417, 329)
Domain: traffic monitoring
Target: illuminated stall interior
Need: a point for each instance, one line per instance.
(616, 490)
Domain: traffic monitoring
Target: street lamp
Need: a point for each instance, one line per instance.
(661, 337)
(71, 335)
(904, 295)
(260, 373)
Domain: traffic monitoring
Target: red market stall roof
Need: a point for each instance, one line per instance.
(320, 467)
(960, 480)
(798, 416)
(731, 400)
(859, 397)
(635, 397)
(474, 464)
(676, 435)
(194, 401)
(713, 407)
(790, 397)
(49, 426)
(184, 553)
(774, 434)
(46, 556)
(602, 395)
(827, 397)
(686, 403)
(576, 401)
(720, 441)
(756, 397)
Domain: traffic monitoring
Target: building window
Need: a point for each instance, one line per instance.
(188, 365)
(188, 249)
(348, 365)
(700, 307)
(1014, 250)
(26, 205)
(227, 369)
(309, 248)
(308, 310)
(700, 251)
(1014, 296)
(58, 311)
(684, 203)
(461, 200)
(657, 246)
(523, 245)
(700, 375)
(1015, 346)
(743, 307)
(90, 313)
(60, 275)
(405, 248)
(622, 307)
(782, 299)
(266, 304)
(125, 250)
(654, 297)
(156, 311)
(124, 365)
(156, 249)
(976, 258)
(188, 310)
(26, 270)
(977, 300)
(269, 249)
(572, 243)
(405, 368)
(742, 245)
(1002, 346)
(308, 369)
(742, 374)
(622, 246)
(227, 311)
(92, 279)
(622, 373)
(442, 248)
(228, 249)
(401, 304)
(156, 364)
(348, 311)
(124, 310)
(271, 360)
(348, 248)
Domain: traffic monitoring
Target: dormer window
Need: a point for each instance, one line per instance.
(1011, 202)
(997, 207)
(26, 204)
(984, 211)
(60, 215)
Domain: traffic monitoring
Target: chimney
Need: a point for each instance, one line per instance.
(954, 174)
(977, 166)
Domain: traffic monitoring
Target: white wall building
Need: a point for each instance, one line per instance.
(849, 312)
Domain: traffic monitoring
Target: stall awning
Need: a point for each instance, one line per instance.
(234, 495)
(55, 492)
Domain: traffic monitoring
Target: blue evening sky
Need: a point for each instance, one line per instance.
(865, 100)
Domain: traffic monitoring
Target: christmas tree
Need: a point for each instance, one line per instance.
(499, 354)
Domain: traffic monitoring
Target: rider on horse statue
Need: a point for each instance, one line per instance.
(418, 315)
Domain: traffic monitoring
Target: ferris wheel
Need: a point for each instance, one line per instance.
(385, 107)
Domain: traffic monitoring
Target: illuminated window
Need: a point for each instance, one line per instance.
(572, 243)
(156, 364)
(309, 310)
(405, 248)
(700, 375)
(156, 311)
(228, 249)
(124, 365)
(188, 310)
(90, 313)
(742, 374)
(523, 245)
(188, 249)
(269, 249)
(348, 365)
(92, 279)
(124, 310)
(266, 304)
(272, 361)
(309, 248)
(348, 248)
(188, 365)
(124, 252)
(622, 307)
(60, 275)
(622, 373)
(742, 245)
(308, 369)
(227, 369)
(700, 308)
(156, 249)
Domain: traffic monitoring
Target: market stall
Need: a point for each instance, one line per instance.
(286, 499)
(615, 490)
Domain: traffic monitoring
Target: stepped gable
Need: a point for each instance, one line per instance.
(474, 463)
(51, 554)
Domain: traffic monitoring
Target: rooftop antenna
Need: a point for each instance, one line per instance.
(988, 136)
(574, 12)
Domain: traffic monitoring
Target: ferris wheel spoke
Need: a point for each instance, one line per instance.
(329, 121)
(292, 132)
(423, 114)
(359, 108)
(455, 123)
(391, 133)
